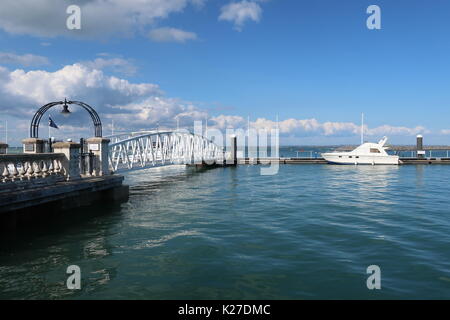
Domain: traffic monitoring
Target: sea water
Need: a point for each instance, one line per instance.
(308, 232)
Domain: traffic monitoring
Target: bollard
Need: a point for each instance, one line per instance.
(3, 148)
(233, 160)
(420, 151)
(71, 162)
(100, 148)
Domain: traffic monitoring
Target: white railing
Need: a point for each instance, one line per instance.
(25, 169)
(151, 149)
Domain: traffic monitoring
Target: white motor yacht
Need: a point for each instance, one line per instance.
(367, 153)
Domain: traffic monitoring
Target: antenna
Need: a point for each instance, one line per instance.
(6, 131)
(362, 128)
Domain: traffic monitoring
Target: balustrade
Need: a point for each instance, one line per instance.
(31, 168)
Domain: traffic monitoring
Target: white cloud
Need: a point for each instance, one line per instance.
(167, 34)
(312, 127)
(22, 91)
(135, 106)
(26, 60)
(397, 131)
(157, 110)
(47, 18)
(224, 122)
(132, 106)
(240, 12)
(118, 65)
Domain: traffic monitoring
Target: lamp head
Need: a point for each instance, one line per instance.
(65, 111)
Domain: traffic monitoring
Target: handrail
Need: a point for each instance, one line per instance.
(131, 138)
(31, 167)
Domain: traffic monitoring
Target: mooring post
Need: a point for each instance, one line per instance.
(71, 162)
(100, 148)
(33, 145)
(3, 148)
(420, 151)
(233, 159)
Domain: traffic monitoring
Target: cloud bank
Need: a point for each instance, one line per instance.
(47, 18)
(141, 106)
(26, 60)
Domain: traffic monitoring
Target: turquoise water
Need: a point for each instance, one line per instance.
(229, 233)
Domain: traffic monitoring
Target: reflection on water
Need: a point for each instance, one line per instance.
(229, 233)
(367, 182)
(419, 175)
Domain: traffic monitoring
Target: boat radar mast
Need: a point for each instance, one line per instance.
(362, 128)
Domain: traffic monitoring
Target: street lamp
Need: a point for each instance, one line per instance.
(34, 127)
(65, 111)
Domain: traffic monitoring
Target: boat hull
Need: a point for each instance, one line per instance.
(364, 160)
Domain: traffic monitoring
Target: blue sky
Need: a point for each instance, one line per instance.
(313, 62)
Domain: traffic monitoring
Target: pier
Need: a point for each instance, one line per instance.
(50, 178)
(319, 160)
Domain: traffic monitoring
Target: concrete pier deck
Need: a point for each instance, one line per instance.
(19, 207)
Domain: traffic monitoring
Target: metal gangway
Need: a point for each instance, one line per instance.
(146, 149)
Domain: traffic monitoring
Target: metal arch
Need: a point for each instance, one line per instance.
(94, 115)
(155, 149)
(34, 128)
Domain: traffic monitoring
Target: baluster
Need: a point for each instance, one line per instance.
(30, 172)
(22, 170)
(57, 168)
(51, 168)
(14, 172)
(37, 170)
(44, 169)
(5, 173)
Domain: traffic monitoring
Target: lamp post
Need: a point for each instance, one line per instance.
(34, 127)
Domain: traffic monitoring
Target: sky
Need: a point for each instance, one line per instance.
(313, 64)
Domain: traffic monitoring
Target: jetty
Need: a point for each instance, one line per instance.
(49, 177)
(408, 155)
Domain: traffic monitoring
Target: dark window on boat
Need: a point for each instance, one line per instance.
(340, 156)
(350, 156)
(373, 150)
(357, 157)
